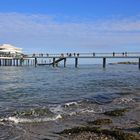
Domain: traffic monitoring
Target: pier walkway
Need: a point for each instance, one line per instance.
(42, 58)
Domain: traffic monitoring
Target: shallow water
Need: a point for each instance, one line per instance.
(43, 94)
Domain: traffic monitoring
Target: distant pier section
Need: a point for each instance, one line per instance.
(12, 56)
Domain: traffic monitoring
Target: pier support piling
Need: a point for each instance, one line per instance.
(104, 62)
(6, 62)
(139, 63)
(28, 62)
(64, 62)
(20, 62)
(35, 61)
(76, 62)
(54, 62)
(16, 62)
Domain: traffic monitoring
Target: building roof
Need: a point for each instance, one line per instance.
(10, 48)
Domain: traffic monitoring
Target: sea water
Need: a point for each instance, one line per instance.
(45, 94)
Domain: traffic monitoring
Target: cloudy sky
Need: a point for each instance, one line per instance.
(55, 26)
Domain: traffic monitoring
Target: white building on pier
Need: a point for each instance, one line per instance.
(7, 49)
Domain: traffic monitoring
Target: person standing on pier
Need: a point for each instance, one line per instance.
(70, 55)
(113, 54)
(47, 55)
(62, 55)
(125, 53)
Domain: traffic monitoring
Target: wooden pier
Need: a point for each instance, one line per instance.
(34, 59)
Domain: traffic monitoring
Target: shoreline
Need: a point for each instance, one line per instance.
(100, 127)
(120, 123)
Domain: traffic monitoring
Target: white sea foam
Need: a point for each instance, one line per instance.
(124, 100)
(87, 111)
(72, 113)
(26, 120)
(71, 103)
(56, 109)
(81, 111)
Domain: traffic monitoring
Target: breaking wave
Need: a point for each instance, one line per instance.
(32, 115)
(25, 120)
(55, 112)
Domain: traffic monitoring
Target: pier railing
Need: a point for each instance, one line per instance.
(123, 54)
(41, 55)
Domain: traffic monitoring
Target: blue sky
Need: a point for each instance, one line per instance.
(71, 25)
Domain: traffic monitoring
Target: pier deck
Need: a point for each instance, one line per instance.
(32, 59)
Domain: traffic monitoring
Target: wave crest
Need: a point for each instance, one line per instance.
(31, 120)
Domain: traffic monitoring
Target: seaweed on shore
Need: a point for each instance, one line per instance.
(117, 134)
(77, 130)
(116, 112)
(138, 128)
(34, 112)
(100, 122)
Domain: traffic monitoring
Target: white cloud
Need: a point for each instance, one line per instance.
(43, 32)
